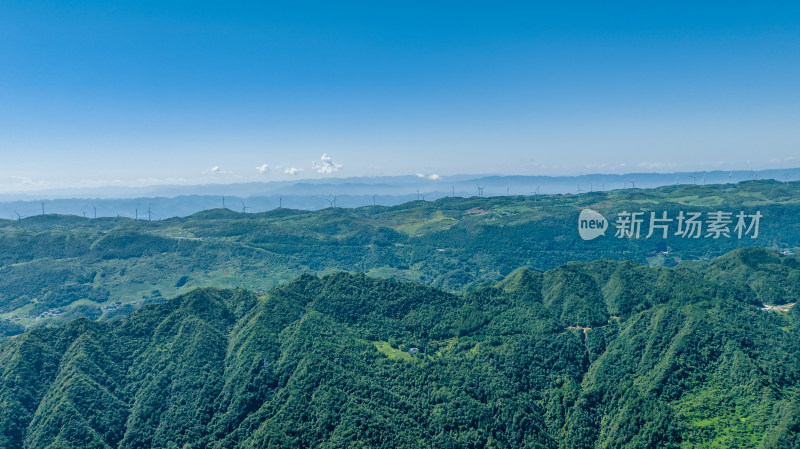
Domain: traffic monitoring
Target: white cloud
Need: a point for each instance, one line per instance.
(325, 165)
(292, 171)
(263, 168)
(215, 170)
(432, 176)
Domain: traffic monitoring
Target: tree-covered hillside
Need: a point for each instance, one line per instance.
(59, 267)
(602, 354)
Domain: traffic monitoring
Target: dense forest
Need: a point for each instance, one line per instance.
(57, 268)
(601, 354)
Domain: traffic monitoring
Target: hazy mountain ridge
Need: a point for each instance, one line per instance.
(313, 194)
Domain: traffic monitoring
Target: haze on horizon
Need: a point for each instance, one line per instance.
(151, 93)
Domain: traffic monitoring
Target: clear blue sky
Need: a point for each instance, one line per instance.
(153, 92)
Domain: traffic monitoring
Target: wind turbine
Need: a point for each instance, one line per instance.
(633, 182)
(454, 191)
(579, 189)
(786, 177)
(730, 175)
(19, 217)
(95, 211)
(244, 207)
(223, 201)
(694, 180)
(676, 180)
(42, 207)
(480, 190)
(149, 213)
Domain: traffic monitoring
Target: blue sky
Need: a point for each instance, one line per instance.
(152, 92)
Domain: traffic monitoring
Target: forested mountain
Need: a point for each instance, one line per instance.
(601, 354)
(55, 267)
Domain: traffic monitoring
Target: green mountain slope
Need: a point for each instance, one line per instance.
(59, 267)
(775, 279)
(601, 354)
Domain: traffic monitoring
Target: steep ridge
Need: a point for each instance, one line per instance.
(601, 354)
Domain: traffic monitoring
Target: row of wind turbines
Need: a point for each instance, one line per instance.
(632, 182)
(479, 190)
(149, 213)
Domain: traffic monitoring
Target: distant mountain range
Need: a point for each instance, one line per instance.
(160, 202)
(57, 267)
